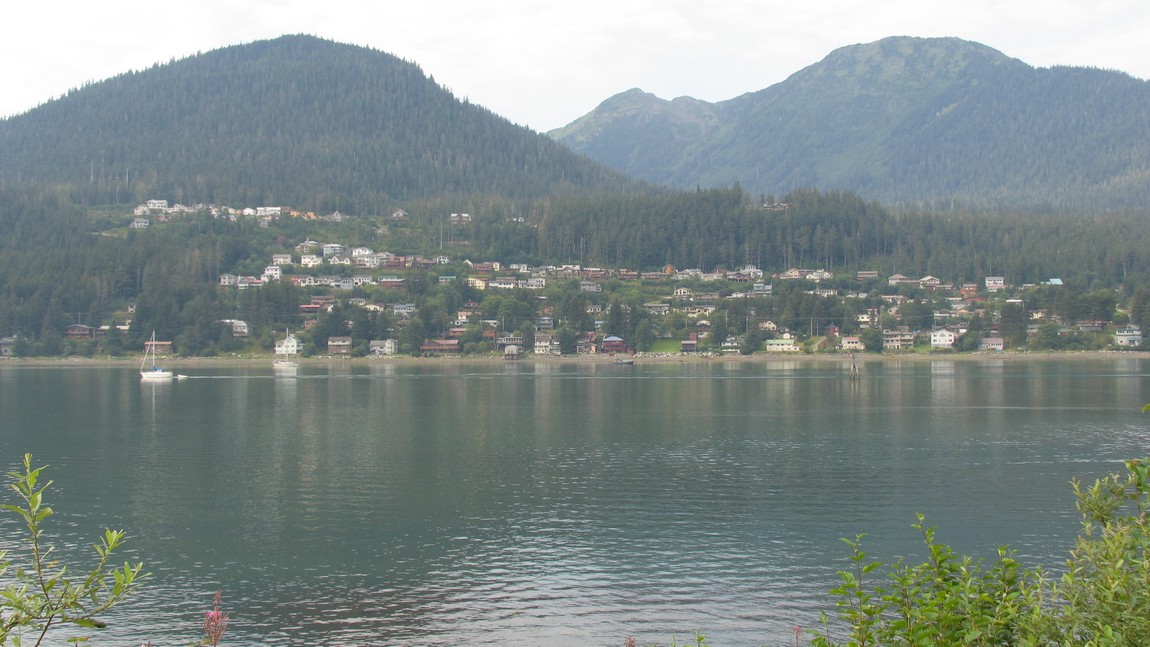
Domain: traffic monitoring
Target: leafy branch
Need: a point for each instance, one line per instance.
(42, 595)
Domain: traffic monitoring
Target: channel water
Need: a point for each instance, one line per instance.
(552, 503)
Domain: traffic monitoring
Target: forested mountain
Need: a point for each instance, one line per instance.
(319, 126)
(927, 123)
(294, 121)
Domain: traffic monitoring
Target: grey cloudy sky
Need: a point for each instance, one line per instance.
(544, 64)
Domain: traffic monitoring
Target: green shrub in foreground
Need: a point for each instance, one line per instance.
(42, 594)
(1102, 599)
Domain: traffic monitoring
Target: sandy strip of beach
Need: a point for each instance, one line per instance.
(645, 358)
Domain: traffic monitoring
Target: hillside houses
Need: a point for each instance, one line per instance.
(806, 275)
(928, 310)
(379, 277)
(161, 208)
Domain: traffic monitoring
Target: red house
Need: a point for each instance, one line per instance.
(614, 344)
(80, 331)
(437, 346)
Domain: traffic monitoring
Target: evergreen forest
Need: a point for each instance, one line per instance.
(295, 121)
(62, 263)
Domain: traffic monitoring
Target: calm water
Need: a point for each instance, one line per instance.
(553, 504)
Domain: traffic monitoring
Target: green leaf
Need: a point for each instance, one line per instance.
(89, 622)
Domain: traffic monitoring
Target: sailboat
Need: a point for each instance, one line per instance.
(152, 372)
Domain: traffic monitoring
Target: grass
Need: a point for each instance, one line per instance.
(665, 346)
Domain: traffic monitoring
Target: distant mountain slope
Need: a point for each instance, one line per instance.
(634, 130)
(292, 121)
(930, 122)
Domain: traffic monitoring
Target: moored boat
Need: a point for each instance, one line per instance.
(153, 372)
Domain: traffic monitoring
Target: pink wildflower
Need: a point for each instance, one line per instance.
(215, 623)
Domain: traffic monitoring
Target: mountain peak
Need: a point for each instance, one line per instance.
(904, 120)
(898, 63)
(294, 120)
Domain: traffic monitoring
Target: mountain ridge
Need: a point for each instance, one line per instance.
(911, 121)
(293, 120)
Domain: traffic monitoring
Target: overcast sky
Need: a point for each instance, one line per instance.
(544, 64)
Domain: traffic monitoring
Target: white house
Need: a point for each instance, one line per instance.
(272, 273)
(502, 283)
(852, 343)
(943, 338)
(379, 347)
(1128, 336)
(699, 311)
(289, 346)
(546, 345)
(369, 262)
(782, 345)
(992, 343)
(897, 340)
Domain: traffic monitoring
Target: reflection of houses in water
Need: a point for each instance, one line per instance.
(942, 383)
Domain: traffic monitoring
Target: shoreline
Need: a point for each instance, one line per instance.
(638, 358)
